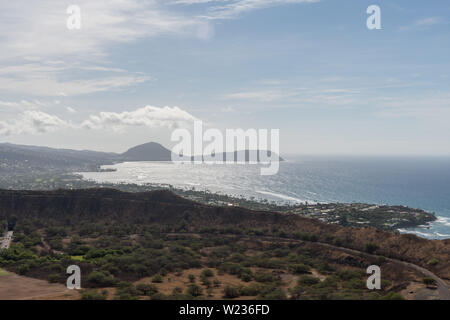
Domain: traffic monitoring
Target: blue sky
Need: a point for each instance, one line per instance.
(310, 68)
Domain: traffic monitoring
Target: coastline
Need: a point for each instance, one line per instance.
(384, 217)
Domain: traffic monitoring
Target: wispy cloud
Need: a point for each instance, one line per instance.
(30, 28)
(235, 8)
(39, 53)
(47, 79)
(424, 23)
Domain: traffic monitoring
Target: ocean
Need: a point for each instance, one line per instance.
(415, 182)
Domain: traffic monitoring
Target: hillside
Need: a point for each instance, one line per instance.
(82, 222)
(17, 159)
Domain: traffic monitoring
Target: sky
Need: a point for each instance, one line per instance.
(136, 70)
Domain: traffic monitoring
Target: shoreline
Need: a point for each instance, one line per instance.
(394, 218)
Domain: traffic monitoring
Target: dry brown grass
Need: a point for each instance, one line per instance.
(15, 287)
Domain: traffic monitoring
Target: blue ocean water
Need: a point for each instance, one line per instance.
(415, 182)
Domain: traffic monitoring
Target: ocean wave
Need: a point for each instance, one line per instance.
(418, 233)
(443, 220)
(282, 196)
(431, 235)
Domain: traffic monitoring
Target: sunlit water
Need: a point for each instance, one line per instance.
(419, 183)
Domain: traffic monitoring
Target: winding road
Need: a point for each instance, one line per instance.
(442, 288)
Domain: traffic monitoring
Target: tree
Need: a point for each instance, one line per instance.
(194, 290)
(230, 292)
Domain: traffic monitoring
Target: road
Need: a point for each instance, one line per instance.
(7, 240)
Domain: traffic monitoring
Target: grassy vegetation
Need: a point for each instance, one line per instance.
(128, 248)
(3, 272)
(110, 257)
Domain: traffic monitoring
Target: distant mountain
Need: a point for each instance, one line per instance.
(16, 159)
(151, 151)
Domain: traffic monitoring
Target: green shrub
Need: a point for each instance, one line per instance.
(208, 273)
(429, 281)
(194, 290)
(393, 296)
(92, 295)
(264, 277)
(230, 292)
(145, 289)
(300, 268)
(100, 279)
(158, 296)
(371, 247)
(308, 281)
(433, 262)
(54, 278)
(157, 278)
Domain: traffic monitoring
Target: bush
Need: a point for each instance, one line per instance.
(230, 292)
(264, 277)
(23, 269)
(54, 278)
(194, 290)
(252, 290)
(276, 294)
(308, 281)
(246, 277)
(371, 247)
(157, 278)
(300, 268)
(92, 295)
(99, 279)
(208, 273)
(393, 296)
(433, 262)
(429, 281)
(145, 289)
(158, 296)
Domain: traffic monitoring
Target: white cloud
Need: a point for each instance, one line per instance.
(71, 110)
(261, 95)
(46, 79)
(38, 28)
(35, 121)
(23, 104)
(147, 116)
(32, 122)
(39, 53)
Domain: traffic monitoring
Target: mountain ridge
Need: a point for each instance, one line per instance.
(28, 156)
